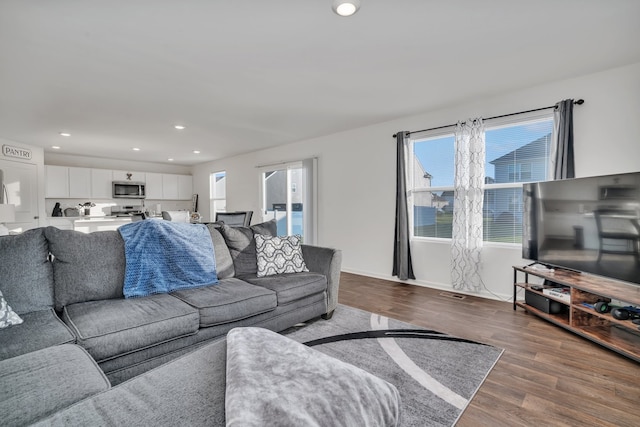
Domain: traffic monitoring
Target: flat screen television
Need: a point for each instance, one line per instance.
(588, 224)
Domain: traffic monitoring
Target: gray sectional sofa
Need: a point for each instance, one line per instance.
(67, 288)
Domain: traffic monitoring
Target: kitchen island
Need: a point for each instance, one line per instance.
(88, 224)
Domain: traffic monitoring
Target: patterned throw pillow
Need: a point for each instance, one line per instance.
(277, 255)
(7, 316)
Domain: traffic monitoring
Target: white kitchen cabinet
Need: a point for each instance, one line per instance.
(185, 187)
(61, 223)
(56, 182)
(98, 224)
(153, 186)
(128, 176)
(169, 187)
(101, 183)
(79, 183)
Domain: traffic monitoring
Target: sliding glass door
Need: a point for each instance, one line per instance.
(288, 196)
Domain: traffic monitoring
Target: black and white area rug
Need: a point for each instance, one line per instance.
(436, 374)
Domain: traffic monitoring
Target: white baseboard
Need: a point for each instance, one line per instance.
(434, 285)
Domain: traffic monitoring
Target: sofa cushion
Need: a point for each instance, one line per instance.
(242, 244)
(114, 327)
(278, 255)
(26, 277)
(224, 263)
(40, 383)
(38, 330)
(229, 301)
(290, 287)
(8, 317)
(86, 266)
(188, 391)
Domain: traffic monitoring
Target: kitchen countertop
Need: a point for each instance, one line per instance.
(103, 219)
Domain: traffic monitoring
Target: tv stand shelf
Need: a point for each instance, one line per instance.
(621, 336)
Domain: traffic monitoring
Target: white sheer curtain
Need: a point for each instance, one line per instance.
(466, 244)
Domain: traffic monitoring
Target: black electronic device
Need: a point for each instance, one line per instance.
(568, 224)
(620, 313)
(543, 303)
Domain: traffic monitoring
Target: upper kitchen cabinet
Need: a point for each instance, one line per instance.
(185, 187)
(79, 183)
(153, 186)
(101, 180)
(56, 182)
(62, 182)
(128, 176)
(169, 187)
(176, 187)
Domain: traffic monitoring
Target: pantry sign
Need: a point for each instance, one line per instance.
(17, 152)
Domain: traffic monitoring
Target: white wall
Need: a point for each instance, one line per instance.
(357, 173)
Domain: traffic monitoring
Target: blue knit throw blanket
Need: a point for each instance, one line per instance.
(164, 256)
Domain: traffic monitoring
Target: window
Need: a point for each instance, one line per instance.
(516, 152)
(217, 193)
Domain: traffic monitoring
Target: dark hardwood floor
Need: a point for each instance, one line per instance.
(546, 377)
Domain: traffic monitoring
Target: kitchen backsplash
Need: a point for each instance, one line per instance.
(103, 207)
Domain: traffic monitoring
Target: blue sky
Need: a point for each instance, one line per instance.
(436, 155)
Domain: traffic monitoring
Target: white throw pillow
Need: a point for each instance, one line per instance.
(7, 316)
(277, 255)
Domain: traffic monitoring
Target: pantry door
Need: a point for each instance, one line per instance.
(21, 190)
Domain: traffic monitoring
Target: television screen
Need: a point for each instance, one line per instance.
(585, 224)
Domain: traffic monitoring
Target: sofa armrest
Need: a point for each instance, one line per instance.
(325, 261)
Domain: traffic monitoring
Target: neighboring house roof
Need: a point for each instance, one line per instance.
(418, 164)
(528, 151)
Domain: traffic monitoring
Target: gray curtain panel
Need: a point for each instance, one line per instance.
(402, 266)
(563, 123)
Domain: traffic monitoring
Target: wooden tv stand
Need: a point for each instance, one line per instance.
(621, 336)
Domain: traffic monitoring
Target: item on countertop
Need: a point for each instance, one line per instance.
(57, 211)
(71, 212)
(87, 207)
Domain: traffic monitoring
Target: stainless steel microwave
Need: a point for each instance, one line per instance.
(128, 190)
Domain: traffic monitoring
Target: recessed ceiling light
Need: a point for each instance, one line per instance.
(171, 160)
(136, 149)
(65, 134)
(196, 151)
(179, 127)
(55, 147)
(345, 7)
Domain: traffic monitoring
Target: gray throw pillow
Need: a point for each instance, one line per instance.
(242, 245)
(279, 255)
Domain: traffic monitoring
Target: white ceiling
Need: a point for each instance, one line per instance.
(242, 75)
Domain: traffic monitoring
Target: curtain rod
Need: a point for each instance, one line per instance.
(578, 102)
